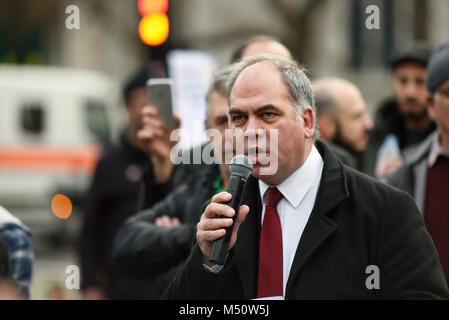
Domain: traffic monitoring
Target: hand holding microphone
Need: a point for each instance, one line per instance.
(219, 224)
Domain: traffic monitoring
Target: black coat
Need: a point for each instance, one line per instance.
(356, 222)
(123, 183)
(388, 120)
(154, 254)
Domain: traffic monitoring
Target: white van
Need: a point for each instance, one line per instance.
(53, 122)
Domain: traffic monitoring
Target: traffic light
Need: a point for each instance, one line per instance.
(154, 25)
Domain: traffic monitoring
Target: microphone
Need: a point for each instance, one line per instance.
(240, 169)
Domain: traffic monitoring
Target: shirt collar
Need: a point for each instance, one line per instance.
(436, 150)
(295, 187)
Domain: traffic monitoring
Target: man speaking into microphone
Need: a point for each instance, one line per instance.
(312, 228)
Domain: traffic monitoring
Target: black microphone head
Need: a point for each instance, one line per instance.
(241, 166)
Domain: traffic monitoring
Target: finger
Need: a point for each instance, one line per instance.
(165, 221)
(241, 216)
(160, 222)
(149, 110)
(214, 224)
(157, 222)
(221, 197)
(177, 121)
(210, 235)
(160, 149)
(175, 222)
(215, 210)
(147, 134)
(243, 212)
(153, 122)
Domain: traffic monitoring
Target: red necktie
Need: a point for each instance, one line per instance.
(270, 279)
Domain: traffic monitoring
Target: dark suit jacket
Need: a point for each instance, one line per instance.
(148, 252)
(356, 222)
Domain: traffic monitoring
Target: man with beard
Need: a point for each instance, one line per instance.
(403, 120)
(425, 173)
(116, 192)
(342, 118)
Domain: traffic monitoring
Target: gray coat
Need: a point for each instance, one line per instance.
(412, 175)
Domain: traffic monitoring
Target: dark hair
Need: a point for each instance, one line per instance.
(137, 80)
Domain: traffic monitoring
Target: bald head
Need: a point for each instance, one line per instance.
(342, 115)
(269, 47)
(337, 92)
(261, 45)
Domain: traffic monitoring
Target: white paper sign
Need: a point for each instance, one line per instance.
(191, 72)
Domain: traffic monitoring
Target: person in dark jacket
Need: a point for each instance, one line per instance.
(21, 252)
(315, 228)
(153, 244)
(400, 121)
(425, 173)
(125, 180)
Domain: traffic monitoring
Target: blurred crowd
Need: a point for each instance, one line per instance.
(141, 212)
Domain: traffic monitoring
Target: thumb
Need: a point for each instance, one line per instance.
(241, 216)
(177, 121)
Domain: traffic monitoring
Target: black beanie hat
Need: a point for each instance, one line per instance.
(138, 80)
(438, 69)
(418, 52)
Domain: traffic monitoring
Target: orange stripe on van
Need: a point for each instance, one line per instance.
(38, 158)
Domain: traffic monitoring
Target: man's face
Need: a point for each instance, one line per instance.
(353, 122)
(138, 98)
(409, 84)
(439, 107)
(218, 119)
(260, 100)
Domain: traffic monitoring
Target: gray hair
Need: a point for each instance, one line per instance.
(218, 85)
(294, 77)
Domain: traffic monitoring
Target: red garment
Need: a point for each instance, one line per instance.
(437, 209)
(270, 277)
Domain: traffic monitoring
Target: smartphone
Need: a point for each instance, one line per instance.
(160, 96)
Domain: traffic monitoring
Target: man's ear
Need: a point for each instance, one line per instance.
(327, 126)
(430, 101)
(308, 117)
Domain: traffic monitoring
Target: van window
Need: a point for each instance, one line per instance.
(32, 118)
(97, 121)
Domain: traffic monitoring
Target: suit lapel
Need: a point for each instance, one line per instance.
(332, 191)
(247, 245)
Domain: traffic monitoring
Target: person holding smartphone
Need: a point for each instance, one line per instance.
(126, 174)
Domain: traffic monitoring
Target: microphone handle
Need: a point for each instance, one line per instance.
(220, 246)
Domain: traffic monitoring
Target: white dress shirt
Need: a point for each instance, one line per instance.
(436, 150)
(299, 190)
